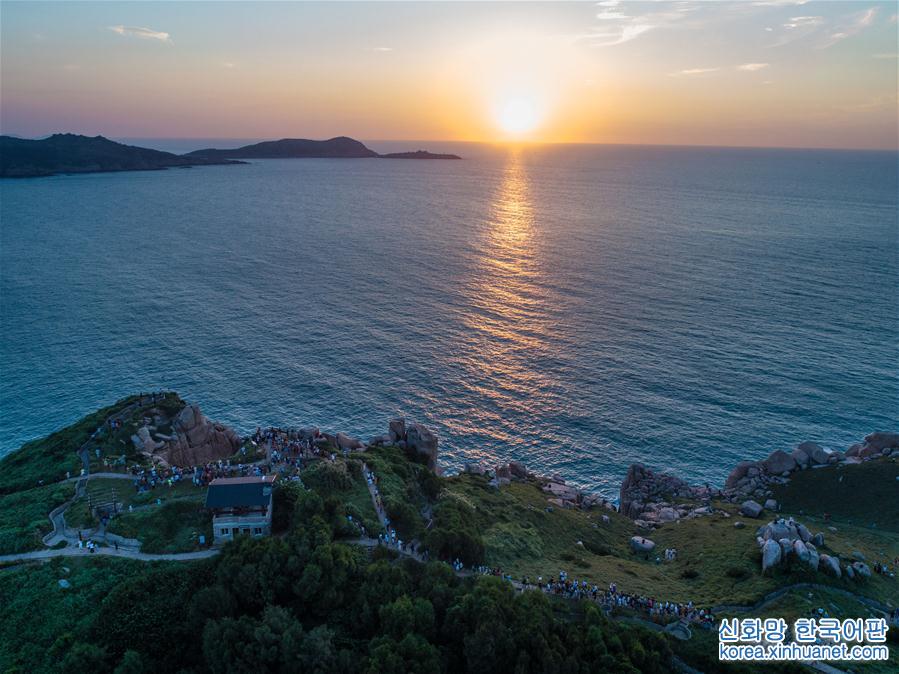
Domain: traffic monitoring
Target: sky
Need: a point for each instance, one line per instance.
(770, 73)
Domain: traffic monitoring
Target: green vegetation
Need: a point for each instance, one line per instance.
(48, 459)
(23, 516)
(171, 527)
(406, 488)
(307, 600)
(302, 603)
(863, 495)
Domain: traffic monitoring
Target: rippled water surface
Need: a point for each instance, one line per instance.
(578, 308)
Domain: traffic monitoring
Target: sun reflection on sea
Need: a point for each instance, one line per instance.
(508, 314)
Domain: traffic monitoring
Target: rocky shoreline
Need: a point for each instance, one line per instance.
(650, 499)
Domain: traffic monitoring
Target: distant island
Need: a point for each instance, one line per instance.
(73, 153)
(341, 147)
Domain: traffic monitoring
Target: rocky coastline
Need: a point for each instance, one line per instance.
(650, 499)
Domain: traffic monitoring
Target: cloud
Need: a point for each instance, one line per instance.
(382, 49)
(778, 3)
(143, 33)
(888, 55)
(693, 71)
(853, 25)
(619, 22)
(803, 22)
(752, 67)
(229, 65)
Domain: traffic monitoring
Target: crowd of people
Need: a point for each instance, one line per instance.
(563, 586)
(148, 478)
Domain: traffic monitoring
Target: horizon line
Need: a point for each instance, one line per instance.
(507, 142)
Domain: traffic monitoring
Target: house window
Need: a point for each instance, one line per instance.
(224, 532)
(257, 531)
(246, 530)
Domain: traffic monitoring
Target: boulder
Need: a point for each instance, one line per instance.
(850, 572)
(861, 569)
(738, 473)
(605, 519)
(668, 515)
(503, 482)
(857, 556)
(818, 539)
(779, 462)
(503, 471)
(424, 441)
(739, 525)
(804, 533)
(813, 559)
(518, 470)
(751, 509)
(816, 453)
(854, 450)
(147, 442)
(475, 468)
(771, 504)
(830, 565)
(771, 554)
(397, 429)
(344, 441)
(801, 551)
(800, 457)
(786, 547)
(642, 545)
(882, 441)
(560, 491)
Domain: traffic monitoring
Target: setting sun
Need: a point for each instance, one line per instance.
(518, 116)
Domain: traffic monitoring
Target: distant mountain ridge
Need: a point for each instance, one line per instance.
(340, 147)
(73, 153)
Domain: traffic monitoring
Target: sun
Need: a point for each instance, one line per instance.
(518, 116)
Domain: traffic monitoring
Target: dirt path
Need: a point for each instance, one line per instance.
(108, 552)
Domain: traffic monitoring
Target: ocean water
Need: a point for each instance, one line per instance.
(578, 308)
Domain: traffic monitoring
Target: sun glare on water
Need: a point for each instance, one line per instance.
(518, 116)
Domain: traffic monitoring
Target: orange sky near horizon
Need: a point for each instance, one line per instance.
(767, 73)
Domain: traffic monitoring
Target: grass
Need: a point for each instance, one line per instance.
(863, 495)
(79, 515)
(716, 564)
(49, 458)
(24, 516)
(172, 527)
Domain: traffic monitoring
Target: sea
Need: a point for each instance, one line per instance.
(575, 307)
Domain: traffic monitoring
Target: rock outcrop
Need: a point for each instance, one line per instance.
(197, 440)
(642, 545)
(424, 441)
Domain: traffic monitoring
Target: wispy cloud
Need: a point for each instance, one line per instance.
(803, 22)
(753, 67)
(779, 3)
(619, 22)
(382, 49)
(693, 71)
(143, 33)
(887, 55)
(853, 25)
